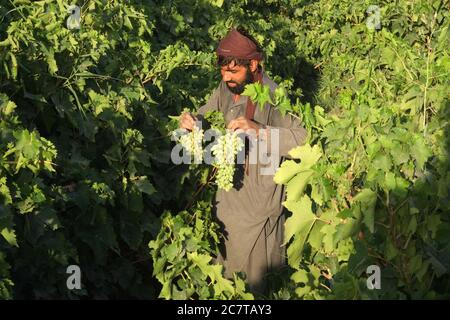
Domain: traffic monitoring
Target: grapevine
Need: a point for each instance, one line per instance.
(85, 171)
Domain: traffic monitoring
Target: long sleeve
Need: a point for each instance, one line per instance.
(290, 134)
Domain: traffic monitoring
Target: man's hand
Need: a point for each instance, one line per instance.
(187, 121)
(243, 124)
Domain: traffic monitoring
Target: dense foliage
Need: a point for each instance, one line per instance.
(85, 170)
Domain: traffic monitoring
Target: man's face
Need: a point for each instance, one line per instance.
(236, 77)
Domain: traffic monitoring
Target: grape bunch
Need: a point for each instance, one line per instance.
(192, 142)
(225, 151)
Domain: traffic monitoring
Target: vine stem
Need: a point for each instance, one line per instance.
(326, 287)
(429, 51)
(404, 65)
(324, 221)
(202, 186)
(426, 89)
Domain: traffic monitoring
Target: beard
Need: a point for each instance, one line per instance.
(240, 87)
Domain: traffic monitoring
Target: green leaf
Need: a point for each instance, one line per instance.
(295, 175)
(282, 102)
(390, 250)
(315, 236)
(440, 260)
(251, 91)
(412, 226)
(239, 285)
(414, 264)
(172, 251)
(419, 151)
(301, 291)
(6, 107)
(220, 283)
(302, 217)
(51, 61)
(316, 194)
(213, 271)
(144, 185)
(10, 236)
(4, 192)
(346, 229)
(294, 251)
(319, 114)
(298, 225)
(382, 162)
(366, 200)
(287, 171)
(388, 55)
(49, 216)
(399, 154)
(284, 107)
(308, 155)
(259, 94)
(297, 184)
(300, 276)
(328, 230)
(433, 222)
(166, 291)
(264, 97)
(344, 214)
(359, 260)
(27, 143)
(390, 181)
(217, 3)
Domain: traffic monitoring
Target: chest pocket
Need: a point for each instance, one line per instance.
(233, 113)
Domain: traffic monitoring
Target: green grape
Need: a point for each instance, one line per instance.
(192, 142)
(225, 151)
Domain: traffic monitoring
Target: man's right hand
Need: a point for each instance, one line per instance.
(187, 121)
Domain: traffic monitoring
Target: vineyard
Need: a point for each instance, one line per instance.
(88, 108)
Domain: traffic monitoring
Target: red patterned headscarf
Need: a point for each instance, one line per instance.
(239, 46)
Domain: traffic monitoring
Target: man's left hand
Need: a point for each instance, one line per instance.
(243, 124)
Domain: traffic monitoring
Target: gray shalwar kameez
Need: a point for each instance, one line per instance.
(251, 212)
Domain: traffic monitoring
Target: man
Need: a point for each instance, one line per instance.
(251, 212)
